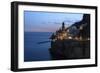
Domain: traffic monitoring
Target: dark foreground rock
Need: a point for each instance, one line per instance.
(70, 49)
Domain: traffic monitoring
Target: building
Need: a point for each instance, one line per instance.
(60, 34)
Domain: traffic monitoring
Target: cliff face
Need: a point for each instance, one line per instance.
(70, 49)
(86, 23)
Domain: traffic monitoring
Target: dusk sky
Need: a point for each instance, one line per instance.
(48, 21)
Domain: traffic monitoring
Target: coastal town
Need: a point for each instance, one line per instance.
(71, 42)
(64, 33)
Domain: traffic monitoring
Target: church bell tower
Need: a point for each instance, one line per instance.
(63, 26)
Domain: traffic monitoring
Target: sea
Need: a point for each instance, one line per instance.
(34, 50)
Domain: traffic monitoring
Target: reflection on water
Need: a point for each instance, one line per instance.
(34, 51)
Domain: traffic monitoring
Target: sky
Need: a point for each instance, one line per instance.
(48, 21)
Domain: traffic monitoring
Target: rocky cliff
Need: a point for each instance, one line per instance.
(70, 48)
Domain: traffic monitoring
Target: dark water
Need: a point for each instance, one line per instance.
(34, 51)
